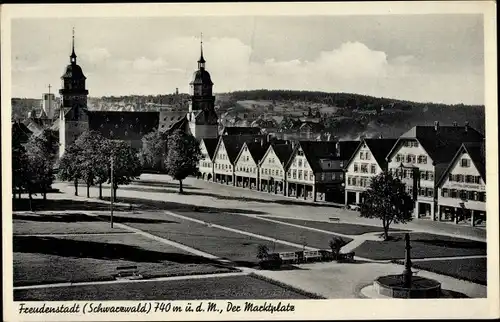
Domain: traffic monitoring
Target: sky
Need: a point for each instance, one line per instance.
(424, 58)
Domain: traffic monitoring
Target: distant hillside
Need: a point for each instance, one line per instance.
(346, 115)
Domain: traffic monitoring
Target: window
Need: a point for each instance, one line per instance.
(398, 157)
(444, 192)
(356, 167)
(272, 172)
(354, 181)
(364, 168)
(305, 174)
(265, 171)
(368, 157)
(429, 192)
(362, 155)
(477, 179)
(300, 174)
(465, 163)
(470, 195)
(349, 180)
(311, 176)
(289, 174)
(300, 163)
(453, 193)
(295, 174)
(373, 168)
(460, 177)
(482, 196)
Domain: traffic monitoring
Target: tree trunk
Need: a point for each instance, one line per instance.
(88, 190)
(100, 190)
(180, 187)
(386, 232)
(30, 197)
(76, 187)
(44, 194)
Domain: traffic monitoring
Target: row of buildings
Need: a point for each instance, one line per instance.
(443, 168)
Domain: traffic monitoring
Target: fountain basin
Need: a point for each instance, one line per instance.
(393, 286)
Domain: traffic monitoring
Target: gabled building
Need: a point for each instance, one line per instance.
(272, 168)
(246, 168)
(206, 165)
(420, 156)
(316, 170)
(228, 148)
(20, 132)
(367, 161)
(462, 186)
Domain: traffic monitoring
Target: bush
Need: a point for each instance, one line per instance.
(272, 261)
(336, 244)
(262, 252)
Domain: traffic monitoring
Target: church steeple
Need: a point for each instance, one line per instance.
(201, 61)
(73, 55)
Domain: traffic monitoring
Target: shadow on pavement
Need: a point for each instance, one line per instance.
(98, 250)
(71, 218)
(175, 206)
(290, 202)
(60, 204)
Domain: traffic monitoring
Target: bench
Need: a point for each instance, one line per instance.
(289, 257)
(129, 272)
(311, 255)
(346, 258)
(334, 219)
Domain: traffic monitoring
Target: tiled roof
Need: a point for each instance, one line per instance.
(234, 143)
(123, 125)
(379, 148)
(21, 132)
(314, 151)
(169, 120)
(282, 151)
(210, 145)
(442, 144)
(243, 130)
(477, 154)
(257, 150)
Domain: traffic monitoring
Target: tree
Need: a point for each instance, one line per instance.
(92, 157)
(19, 166)
(183, 156)
(387, 199)
(126, 164)
(153, 150)
(41, 155)
(69, 169)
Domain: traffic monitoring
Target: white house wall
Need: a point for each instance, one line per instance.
(271, 166)
(356, 179)
(480, 187)
(298, 167)
(222, 164)
(245, 164)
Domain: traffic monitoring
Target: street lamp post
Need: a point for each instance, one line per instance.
(112, 193)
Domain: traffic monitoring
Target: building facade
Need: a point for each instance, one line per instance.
(246, 169)
(206, 164)
(462, 186)
(272, 168)
(367, 161)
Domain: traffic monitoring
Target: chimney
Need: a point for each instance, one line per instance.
(455, 124)
(436, 126)
(466, 127)
(337, 149)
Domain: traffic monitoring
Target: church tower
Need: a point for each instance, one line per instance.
(73, 119)
(202, 118)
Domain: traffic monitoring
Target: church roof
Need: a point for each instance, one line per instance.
(73, 71)
(123, 125)
(201, 76)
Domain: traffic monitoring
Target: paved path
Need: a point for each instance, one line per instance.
(202, 193)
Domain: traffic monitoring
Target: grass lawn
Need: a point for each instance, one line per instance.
(233, 287)
(40, 260)
(238, 248)
(423, 246)
(267, 228)
(341, 228)
(73, 223)
(469, 269)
